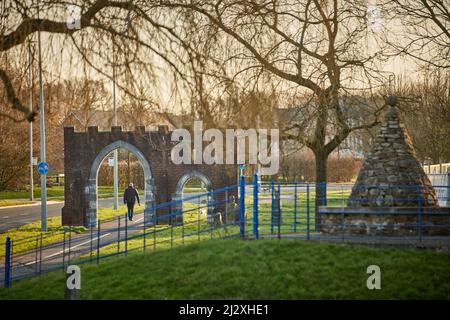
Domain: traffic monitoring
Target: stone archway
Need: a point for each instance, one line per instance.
(178, 195)
(91, 185)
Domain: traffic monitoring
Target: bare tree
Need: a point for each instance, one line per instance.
(142, 36)
(425, 32)
(425, 108)
(317, 46)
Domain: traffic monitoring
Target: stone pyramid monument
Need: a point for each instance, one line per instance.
(391, 175)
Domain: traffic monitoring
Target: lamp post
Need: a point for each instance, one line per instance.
(30, 84)
(42, 139)
(115, 169)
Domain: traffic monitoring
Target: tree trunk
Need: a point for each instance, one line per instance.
(321, 180)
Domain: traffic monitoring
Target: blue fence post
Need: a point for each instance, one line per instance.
(279, 210)
(36, 256)
(255, 206)
(118, 235)
(307, 213)
(64, 250)
(11, 263)
(419, 194)
(98, 242)
(242, 206)
(144, 243)
(40, 254)
(447, 193)
(7, 262)
(272, 189)
(126, 235)
(154, 232)
(295, 207)
(182, 224)
(70, 245)
(91, 249)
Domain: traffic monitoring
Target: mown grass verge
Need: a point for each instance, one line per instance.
(53, 193)
(8, 203)
(263, 269)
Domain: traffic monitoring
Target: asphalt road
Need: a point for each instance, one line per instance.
(16, 216)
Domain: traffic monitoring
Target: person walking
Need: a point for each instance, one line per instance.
(129, 198)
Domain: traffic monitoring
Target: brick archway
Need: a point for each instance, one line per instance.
(193, 174)
(84, 151)
(91, 188)
(178, 195)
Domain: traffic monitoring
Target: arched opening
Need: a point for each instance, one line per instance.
(129, 170)
(146, 182)
(192, 198)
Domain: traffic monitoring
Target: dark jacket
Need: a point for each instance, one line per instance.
(130, 195)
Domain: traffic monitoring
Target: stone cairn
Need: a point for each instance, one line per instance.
(391, 175)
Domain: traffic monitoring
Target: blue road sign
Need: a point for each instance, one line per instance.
(43, 167)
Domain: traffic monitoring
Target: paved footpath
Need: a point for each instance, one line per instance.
(29, 262)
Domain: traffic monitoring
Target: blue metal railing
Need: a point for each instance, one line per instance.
(271, 209)
(112, 237)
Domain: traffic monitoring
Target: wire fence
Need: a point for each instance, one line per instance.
(269, 209)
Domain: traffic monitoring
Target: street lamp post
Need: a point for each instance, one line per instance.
(30, 83)
(42, 140)
(116, 169)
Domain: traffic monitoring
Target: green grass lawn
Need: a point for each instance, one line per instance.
(161, 237)
(197, 225)
(25, 236)
(263, 269)
(164, 238)
(12, 202)
(54, 193)
(295, 216)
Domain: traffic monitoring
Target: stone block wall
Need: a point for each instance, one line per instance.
(385, 221)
